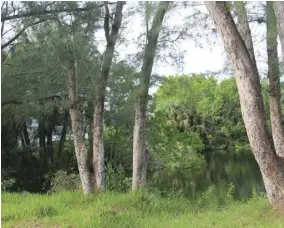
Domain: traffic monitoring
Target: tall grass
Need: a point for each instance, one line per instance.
(141, 209)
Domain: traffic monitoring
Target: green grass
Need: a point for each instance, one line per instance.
(72, 209)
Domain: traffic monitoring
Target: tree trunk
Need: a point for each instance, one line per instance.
(79, 144)
(42, 144)
(25, 136)
(279, 12)
(243, 27)
(49, 148)
(273, 68)
(139, 138)
(63, 134)
(51, 122)
(252, 107)
(274, 81)
(41, 134)
(98, 145)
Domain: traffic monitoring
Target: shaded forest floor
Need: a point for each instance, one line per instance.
(72, 209)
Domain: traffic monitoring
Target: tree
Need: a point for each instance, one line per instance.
(98, 146)
(273, 69)
(248, 83)
(279, 12)
(27, 15)
(80, 146)
(139, 140)
(274, 81)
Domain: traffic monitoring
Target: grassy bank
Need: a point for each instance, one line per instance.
(71, 209)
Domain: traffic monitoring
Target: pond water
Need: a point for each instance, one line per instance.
(223, 169)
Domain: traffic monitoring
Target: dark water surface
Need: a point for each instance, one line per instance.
(222, 169)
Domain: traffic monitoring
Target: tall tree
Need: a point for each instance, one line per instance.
(139, 139)
(98, 146)
(79, 144)
(273, 68)
(274, 81)
(279, 12)
(252, 107)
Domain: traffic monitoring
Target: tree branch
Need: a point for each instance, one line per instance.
(47, 98)
(6, 10)
(20, 33)
(106, 21)
(44, 12)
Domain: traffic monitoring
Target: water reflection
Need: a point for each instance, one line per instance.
(222, 169)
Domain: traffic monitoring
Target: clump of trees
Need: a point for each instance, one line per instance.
(56, 83)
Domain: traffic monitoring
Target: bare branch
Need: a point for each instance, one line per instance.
(6, 11)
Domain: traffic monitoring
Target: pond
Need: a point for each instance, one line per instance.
(223, 169)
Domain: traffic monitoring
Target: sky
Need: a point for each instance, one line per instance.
(196, 59)
(210, 58)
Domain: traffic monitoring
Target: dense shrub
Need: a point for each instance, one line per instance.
(64, 181)
(116, 179)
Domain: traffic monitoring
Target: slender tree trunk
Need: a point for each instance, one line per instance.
(25, 136)
(98, 144)
(80, 147)
(279, 12)
(41, 134)
(51, 121)
(42, 144)
(274, 81)
(63, 134)
(49, 148)
(139, 138)
(243, 27)
(252, 107)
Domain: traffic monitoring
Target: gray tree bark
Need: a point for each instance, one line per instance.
(252, 107)
(279, 12)
(274, 81)
(98, 145)
(243, 27)
(79, 144)
(139, 139)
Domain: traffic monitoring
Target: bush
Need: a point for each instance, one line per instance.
(116, 179)
(175, 193)
(64, 181)
(208, 199)
(7, 182)
(229, 198)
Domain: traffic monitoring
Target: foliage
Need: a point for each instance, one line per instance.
(64, 181)
(204, 106)
(195, 133)
(207, 199)
(116, 179)
(7, 181)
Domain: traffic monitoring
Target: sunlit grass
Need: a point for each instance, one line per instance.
(72, 209)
